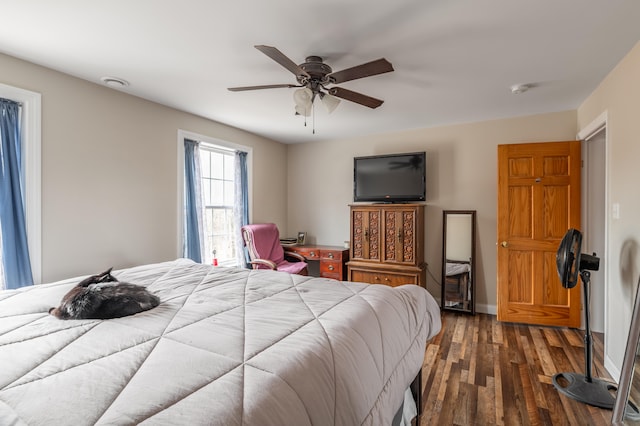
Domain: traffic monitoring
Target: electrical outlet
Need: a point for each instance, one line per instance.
(615, 210)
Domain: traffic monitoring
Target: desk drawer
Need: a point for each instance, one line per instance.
(307, 252)
(331, 254)
(331, 269)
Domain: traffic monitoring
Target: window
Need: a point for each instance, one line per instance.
(218, 186)
(213, 197)
(31, 131)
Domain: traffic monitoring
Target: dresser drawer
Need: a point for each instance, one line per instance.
(379, 277)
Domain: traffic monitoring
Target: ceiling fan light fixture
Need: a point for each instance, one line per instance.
(330, 102)
(303, 97)
(303, 110)
(304, 100)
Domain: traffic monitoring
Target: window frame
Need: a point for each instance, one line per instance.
(184, 134)
(31, 132)
(208, 149)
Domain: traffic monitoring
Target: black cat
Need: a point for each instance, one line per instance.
(102, 296)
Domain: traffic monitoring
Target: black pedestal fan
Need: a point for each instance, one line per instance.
(581, 387)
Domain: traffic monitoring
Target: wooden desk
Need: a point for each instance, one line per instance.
(332, 259)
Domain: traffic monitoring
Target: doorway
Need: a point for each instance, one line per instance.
(594, 154)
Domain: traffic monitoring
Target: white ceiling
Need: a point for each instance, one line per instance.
(454, 60)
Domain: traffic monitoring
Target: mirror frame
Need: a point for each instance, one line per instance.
(628, 366)
(472, 272)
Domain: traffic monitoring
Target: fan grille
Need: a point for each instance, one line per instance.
(568, 258)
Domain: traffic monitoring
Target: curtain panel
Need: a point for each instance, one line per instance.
(193, 247)
(15, 250)
(241, 206)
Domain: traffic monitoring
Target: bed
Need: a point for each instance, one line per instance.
(225, 346)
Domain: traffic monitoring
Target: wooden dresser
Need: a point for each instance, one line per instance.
(387, 244)
(332, 259)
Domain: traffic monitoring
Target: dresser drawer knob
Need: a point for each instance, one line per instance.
(330, 256)
(331, 267)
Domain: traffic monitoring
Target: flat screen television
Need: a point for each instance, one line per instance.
(391, 178)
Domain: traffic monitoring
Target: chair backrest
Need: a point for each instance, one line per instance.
(263, 242)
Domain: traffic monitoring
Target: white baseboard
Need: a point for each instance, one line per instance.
(486, 309)
(612, 369)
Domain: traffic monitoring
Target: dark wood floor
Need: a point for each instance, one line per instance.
(479, 371)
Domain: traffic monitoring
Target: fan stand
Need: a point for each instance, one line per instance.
(585, 388)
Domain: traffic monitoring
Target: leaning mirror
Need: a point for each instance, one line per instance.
(458, 260)
(626, 409)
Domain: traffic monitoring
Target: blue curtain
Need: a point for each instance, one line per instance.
(244, 187)
(15, 250)
(193, 237)
(241, 209)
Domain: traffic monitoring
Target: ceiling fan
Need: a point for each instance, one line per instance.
(314, 76)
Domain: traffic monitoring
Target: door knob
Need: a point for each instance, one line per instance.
(504, 244)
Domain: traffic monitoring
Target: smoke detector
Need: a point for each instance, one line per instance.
(520, 88)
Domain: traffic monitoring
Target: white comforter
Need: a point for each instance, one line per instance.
(225, 347)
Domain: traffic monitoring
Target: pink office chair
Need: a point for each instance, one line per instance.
(263, 244)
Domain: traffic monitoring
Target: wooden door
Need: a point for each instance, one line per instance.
(365, 233)
(538, 200)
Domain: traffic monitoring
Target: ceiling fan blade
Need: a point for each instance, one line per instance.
(280, 58)
(379, 66)
(356, 97)
(268, 86)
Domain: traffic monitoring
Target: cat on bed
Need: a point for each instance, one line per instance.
(102, 296)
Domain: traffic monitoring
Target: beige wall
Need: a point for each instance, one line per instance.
(109, 176)
(109, 172)
(461, 174)
(619, 97)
